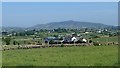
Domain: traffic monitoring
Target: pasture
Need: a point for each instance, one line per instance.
(62, 56)
(106, 39)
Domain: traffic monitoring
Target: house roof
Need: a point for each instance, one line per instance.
(50, 38)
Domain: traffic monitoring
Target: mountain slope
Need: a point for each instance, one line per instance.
(64, 24)
(69, 24)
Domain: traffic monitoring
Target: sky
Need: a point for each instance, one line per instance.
(0, 15)
(59, 0)
(26, 14)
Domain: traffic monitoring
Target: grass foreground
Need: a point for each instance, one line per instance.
(62, 56)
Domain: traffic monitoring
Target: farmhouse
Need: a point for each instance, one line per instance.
(50, 38)
(84, 40)
(67, 39)
(4, 33)
(74, 39)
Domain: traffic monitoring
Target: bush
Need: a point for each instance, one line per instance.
(39, 43)
(96, 44)
(62, 45)
(90, 41)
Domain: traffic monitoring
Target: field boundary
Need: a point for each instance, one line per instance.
(45, 46)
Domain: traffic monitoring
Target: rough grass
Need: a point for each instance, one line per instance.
(65, 56)
(0, 58)
(107, 39)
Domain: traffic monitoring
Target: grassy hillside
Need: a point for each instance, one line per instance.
(65, 56)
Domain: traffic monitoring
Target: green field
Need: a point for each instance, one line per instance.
(62, 56)
(106, 39)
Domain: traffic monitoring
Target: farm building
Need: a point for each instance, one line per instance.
(52, 40)
(68, 39)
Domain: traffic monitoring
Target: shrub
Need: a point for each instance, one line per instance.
(62, 45)
(96, 44)
(90, 41)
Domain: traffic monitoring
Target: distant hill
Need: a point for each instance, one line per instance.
(69, 24)
(13, 29)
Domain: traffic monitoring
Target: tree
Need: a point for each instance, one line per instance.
(14, 42)
(51, 41)
(110, 35)
(7, 40)
(55, 35)
(90, 41)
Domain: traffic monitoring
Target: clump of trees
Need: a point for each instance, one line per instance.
(7, 40)
(51, 42)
